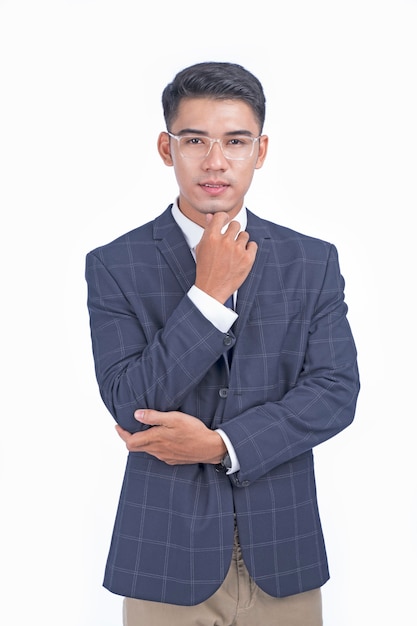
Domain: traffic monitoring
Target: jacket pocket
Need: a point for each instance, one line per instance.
(264, 309)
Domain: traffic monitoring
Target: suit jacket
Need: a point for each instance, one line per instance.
(293, 384)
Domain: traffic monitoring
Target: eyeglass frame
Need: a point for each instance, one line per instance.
(213, 141)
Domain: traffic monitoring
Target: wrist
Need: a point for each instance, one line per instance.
(221, 449)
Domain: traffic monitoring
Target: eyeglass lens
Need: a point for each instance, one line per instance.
(236, 147)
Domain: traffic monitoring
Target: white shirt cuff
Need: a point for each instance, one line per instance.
(235, 465)
(219, 315)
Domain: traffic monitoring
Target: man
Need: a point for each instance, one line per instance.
(223, 352)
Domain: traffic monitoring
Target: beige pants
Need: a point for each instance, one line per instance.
(238, 602)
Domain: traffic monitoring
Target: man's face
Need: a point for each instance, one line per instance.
(213, 183)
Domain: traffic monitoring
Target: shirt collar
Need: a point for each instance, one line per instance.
(192, 231)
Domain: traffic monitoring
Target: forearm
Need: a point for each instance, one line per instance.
(174, 438)
(320, 403)
(273, 433)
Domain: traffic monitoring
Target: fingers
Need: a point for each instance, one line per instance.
(252, 248)
(216, 219)
(135, 442)
(123, 434)
(224, 257)
(242, 237)
(221, 232)
(220, 223)
(232, 230)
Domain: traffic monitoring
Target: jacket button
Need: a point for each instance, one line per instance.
(227, 341)
(223, 393)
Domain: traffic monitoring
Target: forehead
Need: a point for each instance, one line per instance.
(215, 117)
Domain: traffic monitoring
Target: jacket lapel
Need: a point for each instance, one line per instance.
(173, 246)
(258, 232)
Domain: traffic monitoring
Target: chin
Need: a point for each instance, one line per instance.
(216, 207)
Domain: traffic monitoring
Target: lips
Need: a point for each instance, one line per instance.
(213, 189)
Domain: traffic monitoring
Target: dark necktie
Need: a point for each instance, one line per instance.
(229, 303)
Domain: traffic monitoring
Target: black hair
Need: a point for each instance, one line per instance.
(217, 80)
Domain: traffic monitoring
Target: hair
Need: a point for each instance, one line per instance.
(216, 80)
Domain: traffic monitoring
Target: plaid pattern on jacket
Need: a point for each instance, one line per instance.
(293, 384)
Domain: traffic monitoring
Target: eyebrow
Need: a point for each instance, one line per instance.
(231, 133)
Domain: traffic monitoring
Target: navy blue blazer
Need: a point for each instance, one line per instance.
(293, 384)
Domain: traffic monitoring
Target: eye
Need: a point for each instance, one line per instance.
(193, 141)
(238, 141)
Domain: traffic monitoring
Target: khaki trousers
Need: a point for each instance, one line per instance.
(238, 602)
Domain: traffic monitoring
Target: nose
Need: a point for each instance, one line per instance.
(215, 160)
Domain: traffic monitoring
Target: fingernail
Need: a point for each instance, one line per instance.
(139, 415)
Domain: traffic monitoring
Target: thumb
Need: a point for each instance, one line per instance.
(148, 416)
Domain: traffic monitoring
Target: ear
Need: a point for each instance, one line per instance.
(263, 149)
(164, 148)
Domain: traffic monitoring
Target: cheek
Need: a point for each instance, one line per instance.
(244, 175)
(183, 167)
(184, 176)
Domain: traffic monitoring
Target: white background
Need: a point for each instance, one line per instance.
(80, 87)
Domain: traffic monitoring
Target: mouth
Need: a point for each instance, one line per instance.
(214, 188)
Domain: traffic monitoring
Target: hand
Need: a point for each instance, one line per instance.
(223, 261)
(175, 438)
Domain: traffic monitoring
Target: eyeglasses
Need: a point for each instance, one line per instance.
(235, 147)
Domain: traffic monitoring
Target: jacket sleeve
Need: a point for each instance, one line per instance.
(145, 356)
(322, 401)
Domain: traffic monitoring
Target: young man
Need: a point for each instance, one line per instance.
(223, 352)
